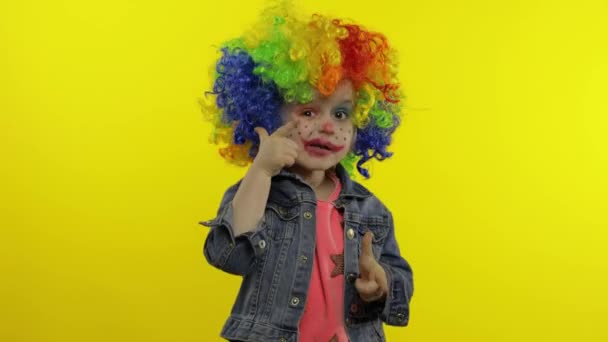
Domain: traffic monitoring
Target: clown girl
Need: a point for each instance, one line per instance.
(304, 104)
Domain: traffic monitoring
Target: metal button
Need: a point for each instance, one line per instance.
(262, 244)
(282, 211)
(351, 277)
(350, 233)
(282, 339)
(295, 301)
(307, 215)
(347, 320)
(303, 259)
(400, 316)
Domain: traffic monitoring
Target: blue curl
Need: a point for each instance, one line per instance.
(245, 98)
(372, 141)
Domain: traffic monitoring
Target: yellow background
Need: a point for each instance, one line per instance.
(498, 186)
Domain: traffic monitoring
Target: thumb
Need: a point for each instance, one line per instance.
(261, 132)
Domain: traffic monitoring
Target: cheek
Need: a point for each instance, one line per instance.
(304, 130)
(344, 134)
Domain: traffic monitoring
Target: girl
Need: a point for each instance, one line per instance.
(302, 103)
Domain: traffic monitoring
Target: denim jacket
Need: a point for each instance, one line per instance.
(275, 262)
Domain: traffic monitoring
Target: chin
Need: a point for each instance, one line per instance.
(317, 165)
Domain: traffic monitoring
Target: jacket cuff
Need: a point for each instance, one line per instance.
(224, 223)
(396, 305)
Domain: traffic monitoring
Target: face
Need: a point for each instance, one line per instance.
(325, 129)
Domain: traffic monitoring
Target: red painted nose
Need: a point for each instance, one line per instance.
(327, 127)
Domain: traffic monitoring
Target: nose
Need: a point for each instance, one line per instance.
(327, 127)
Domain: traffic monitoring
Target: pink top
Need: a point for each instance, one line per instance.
(323, 319)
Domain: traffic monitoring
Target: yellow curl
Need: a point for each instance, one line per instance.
(365, 101)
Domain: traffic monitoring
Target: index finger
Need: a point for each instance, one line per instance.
(366, 248)
(286, 129)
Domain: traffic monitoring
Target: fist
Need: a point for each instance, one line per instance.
(372, 285)
(276, 150)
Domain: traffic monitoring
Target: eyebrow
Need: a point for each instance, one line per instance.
(350, 102)
(315, 104)
(347, 103)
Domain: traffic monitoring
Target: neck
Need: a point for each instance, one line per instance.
(314, 178)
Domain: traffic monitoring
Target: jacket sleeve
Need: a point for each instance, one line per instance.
(222, 250)
(400, 282)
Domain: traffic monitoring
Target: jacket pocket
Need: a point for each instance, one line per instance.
(377, 224)
(282, 221)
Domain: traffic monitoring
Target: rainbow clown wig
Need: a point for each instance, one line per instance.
(282, 60)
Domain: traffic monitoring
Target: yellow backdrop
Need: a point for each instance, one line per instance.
(498, 183)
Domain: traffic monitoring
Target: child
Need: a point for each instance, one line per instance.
(301, 103)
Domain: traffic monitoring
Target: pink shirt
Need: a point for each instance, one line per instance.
(323, 319)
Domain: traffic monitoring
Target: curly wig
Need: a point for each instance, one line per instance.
(282, 59)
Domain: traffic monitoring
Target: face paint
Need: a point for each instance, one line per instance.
(325, 129)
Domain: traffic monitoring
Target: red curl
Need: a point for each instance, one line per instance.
(364, 60)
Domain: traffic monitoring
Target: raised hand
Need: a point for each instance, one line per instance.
(276, 150)
(372, 285)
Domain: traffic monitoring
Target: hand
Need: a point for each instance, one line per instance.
(277, 150)
(372, 285)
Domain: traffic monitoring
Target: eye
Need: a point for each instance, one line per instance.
(341, 114)
(308, 112)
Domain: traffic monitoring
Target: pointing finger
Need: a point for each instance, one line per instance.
(286, 129)
(366, 248)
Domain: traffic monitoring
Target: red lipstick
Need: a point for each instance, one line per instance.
(321, 147)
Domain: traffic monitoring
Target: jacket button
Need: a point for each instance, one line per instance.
(295, 301)
(351, 277)
(282, 211)
(282, 339)
(354, 308)
(347, 320)
(307, 215)
(262, 244)
(400, 316)
(350, 233)
(303, 259)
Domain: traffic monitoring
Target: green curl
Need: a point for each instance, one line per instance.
(349, 162)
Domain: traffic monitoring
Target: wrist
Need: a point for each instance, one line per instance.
(259, 170)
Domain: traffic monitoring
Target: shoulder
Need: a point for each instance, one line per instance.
(369, 200)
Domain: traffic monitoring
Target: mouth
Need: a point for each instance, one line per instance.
(321, 147)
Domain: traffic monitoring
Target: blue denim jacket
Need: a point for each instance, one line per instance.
(275, 261)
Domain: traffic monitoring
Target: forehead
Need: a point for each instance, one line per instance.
(342, 95)
(344, 92)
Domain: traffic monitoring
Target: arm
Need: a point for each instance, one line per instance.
(223, 249)
(237, 233)
(385, 286)
(400, 282)
(250, 200)
(275, 152)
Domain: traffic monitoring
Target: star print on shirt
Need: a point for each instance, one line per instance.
(338, 260)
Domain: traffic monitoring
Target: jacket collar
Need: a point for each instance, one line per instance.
(350, 189)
